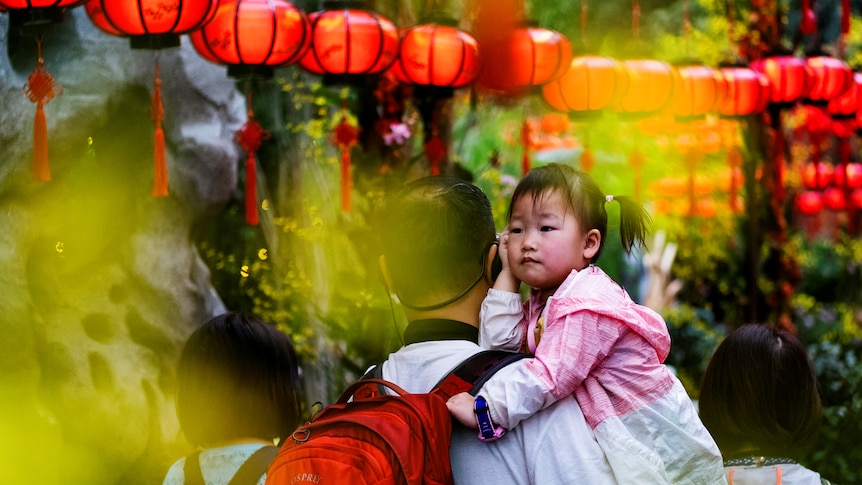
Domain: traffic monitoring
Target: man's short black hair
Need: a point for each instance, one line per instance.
(434, 234)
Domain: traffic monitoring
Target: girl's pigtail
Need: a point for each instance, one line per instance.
(634, 220)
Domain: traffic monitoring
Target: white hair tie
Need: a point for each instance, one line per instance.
(609, 198)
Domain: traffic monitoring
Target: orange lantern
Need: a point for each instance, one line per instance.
(349, 41)
(591, 83)
(527, 56)
(833, 198)
(650, 86)
(831, 78)
(697, 91)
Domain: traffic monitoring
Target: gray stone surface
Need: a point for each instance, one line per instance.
(100, 283)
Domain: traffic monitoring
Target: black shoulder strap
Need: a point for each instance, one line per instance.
(472, 374)
(255, 466)
(192, 470)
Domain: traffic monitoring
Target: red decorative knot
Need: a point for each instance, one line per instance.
(346, 135)
(40, 85)
(251, 135)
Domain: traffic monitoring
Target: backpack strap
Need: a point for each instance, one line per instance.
(472, 374)
(192, 470)
(255, 466)
(249, 472)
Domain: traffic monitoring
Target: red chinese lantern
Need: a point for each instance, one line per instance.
(697, 91)
(833, 198)
(650, 86)
(527, 56)
(748, 92)
(817, 176)
(831, 78)
(847, 105)
(789, 76)
(809, 203)
(851, 173)
(253, 36)
(348, 41)
(36, 13)
(438, 55)
(150, 24)
(591, 84)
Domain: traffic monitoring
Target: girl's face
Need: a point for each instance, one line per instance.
(546, 242)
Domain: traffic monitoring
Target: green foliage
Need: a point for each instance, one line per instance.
(694, 336)
(834, 337)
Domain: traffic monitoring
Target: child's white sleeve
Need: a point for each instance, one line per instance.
(515, 393)
(500, 317)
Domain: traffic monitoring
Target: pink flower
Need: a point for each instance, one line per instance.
(398, 133)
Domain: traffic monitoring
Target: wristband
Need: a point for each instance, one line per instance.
(487, 430)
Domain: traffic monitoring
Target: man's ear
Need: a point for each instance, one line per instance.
(491, 269)
(384, 274)
(592, 244)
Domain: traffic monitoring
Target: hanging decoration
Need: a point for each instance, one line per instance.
(436, 58)
(528, 56)
(346, 135)
(40, 90)
(250, 136)
(152, 27)
(253, 36)
(32, 18)
(349, 41)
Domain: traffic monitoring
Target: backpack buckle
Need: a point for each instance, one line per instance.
(487, 430)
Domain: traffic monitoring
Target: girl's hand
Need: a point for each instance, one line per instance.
(503, 248)
(506, 281)
(461, 408)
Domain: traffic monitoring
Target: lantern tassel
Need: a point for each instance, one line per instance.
(588, 160)
(845, 17)
(637, 162)
(734, 160)
(346, 135)
(346, 185)
(435, 152)
(526, 140)
(251, 215)
(40, 90)
(41, 170)
(160, 164)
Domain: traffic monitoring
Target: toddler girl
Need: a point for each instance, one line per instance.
(587, 336)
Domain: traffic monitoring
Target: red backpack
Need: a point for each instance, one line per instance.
(382, 439)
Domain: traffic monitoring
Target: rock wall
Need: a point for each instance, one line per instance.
(100, 283)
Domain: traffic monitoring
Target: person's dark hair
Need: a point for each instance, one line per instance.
(434, 233)
(587, 202)
(237, 378)
(759, 394)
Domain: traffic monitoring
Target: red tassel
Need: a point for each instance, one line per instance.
(734, 160)
(845, 17)
(160, 164)
(527, 141)
(435, 152)
(41, 170)
(637, 162)
(346, 185)
(249, 137)
(808, 22)
(40, 90)
(588, 160)
(346, 135)
(251, 215)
